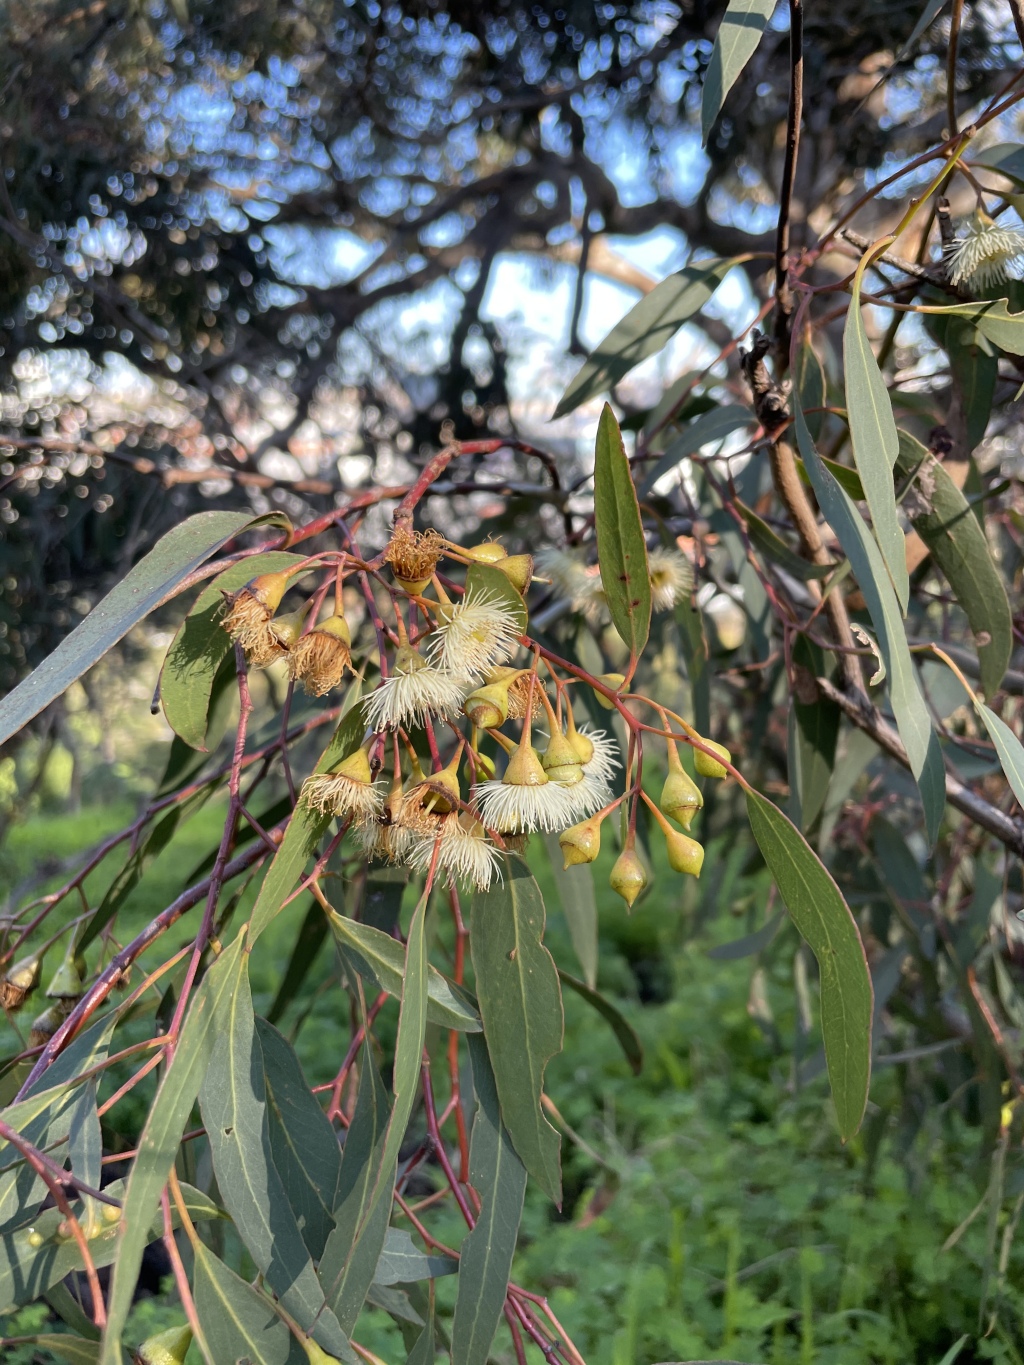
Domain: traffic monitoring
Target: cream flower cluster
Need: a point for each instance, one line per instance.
(983, 253)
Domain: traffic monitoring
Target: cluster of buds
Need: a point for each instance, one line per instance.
(459, 662)
(63, 992)
(317, 656)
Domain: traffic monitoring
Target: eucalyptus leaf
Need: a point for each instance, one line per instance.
(823, 918)
(521, 1008)
(621, 546)
(624, 1031)
(238, 1321)
(736, 41)
(709, 427)
(646, 328)
(575, 886)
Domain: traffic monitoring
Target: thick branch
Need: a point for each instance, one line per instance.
(1006, 829)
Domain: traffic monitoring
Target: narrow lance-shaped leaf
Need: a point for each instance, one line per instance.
(379, 958)
(735, 43)
(485, 1264)
(233, 1102)
(302, 1139)
(401, 1261)
(624, 1031)
(575, 887)
(708, 428)
(817, 908)
(621, 547)
(160, 1138)
(947, 525)
(908, 703)
(142, 589)
(875, 441)
(201, 646)
(351, 1256)
(645, 329)
(521, 1006)
(239, 1322)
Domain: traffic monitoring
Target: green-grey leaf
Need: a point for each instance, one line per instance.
(823, 918)
(201, 645)
(846, 477)
(161, 1137)
(485, 1263)
(958, 545)
(402, 1262)
(521, 1007)
(992, 319)
(575, 886)
(487, 581)
(381, 959)
(709, 427)
(424, 1348)
(749, 944)
(815, 733)
(1005, 157)
(308, 942)
(1008, 747)
(142, 589)
(735, 43)
(621, 547)
(353, 1248)
(303, 1141)
(875, 444)
(233, 1101)
(28, 1271)
(777, 550)
(75, 1350)
(238, 1322)
(624, 1031)
(645, 329)
(809, 378)
(908, 703)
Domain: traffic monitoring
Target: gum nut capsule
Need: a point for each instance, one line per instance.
(166, 1348)
(680, 796)
(706, 765)
(684, 853)
(488, 552)
(580, 843)
(628, 877)
(614, 681)
(19, 981)
(518, 569)
(487, 707)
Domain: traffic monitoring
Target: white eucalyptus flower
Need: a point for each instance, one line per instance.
(525, 799)
(472, 636)
(982, 252)
(671, 577)
(414, 691)
(464, 853)
(573, 580)
(348, 791)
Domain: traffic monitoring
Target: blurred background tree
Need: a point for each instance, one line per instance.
(250, 250)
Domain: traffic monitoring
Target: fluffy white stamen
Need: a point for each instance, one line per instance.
(336, 794)
(464, 855)
(409, 698)
(511, 809)
(671, 577)
(473, 636)
(983, 252)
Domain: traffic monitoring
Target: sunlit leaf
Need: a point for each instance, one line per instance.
(486, 581)
(908, 703)
(945, 522)
(875, 443)
(823, 918)
(992, 319)
(735, 43)
(521, 1006)
(621, 547)
(645, 329)
(499, 1177)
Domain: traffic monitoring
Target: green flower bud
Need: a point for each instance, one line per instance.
(581, 843)
(684, 853)
(487, 707)
(614, 681)
(19, 982)
(518, 569)
(166, 1348)
(680, 796)
(628, 877)
(706, 765)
